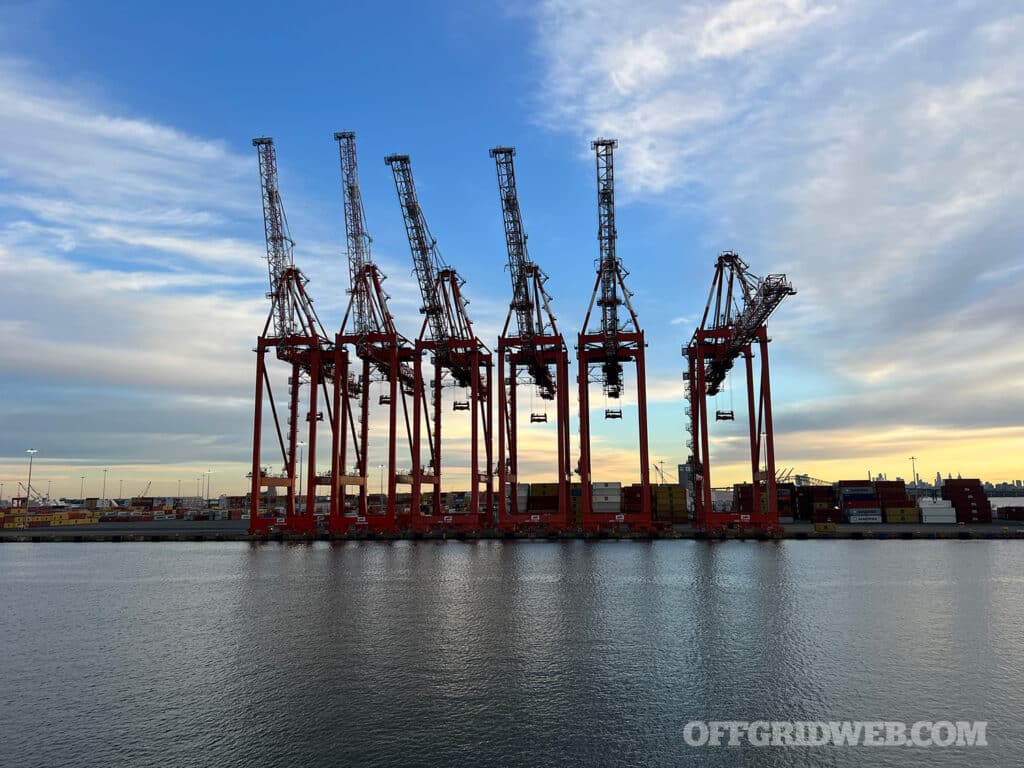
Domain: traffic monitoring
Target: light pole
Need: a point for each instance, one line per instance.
(301, 446)
(382, 486)
(81, 490)
(103, 494)
(28, 496)
(179, 489)
(120, 488)
(48, 491)
(1, 494)
(913, 470)
(208, 487)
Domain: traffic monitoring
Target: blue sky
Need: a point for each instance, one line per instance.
(871, 152)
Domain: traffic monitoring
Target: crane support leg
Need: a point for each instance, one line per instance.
(256, 486)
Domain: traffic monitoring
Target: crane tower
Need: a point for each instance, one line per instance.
(384, 357)
(734, 318)
(532, 350)
(294, 331)
(447, 335)
(615, 339)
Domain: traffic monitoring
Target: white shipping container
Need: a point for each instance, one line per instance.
(607, 485)
(938, 517)
(862, 518)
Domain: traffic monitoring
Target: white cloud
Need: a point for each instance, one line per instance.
(873, 151)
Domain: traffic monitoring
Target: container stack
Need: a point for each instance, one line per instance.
(669, 502)
(785, 494)
(1011, 513)
(969, 500)
(522, 497)
(811, 499)
(575, 496)
(897, 506)
(632, 499)
(743, 498)
(48, 518)
(936, 511)
(607, 498)
(859, 502)
(543, 498)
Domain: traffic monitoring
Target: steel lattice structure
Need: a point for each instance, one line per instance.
(294, 331)
(384, 355)
(536, 347)
(734, 319)
(447, 335)
(613, 341)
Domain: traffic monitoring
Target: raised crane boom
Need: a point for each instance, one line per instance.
(358, 240)
(610, 291)
(425, 257)
(291, 307)
(279, 242)
(531, 318)
(443, 304)
(740, 303)
(368, 307)
(606, 236)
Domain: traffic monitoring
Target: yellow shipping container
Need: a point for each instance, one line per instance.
(825, 527)
(908, 516)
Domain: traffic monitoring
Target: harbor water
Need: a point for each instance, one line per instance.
(501, 653)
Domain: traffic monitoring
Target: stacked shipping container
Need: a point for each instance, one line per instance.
(785, 494)
(607, 498)
(897, 506)
(543, 499)
(815, 503)
(669, 503)
(969, 500)
(859, 502)
(937, 511)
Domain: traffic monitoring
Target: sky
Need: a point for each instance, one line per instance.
(870, 150)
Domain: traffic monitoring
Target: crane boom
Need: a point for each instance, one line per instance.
(368, 307)
(291, 308)
(738, 305)
(606, 236)
(515, 240)
(358, 240)
(531, 319)
(610, 291)
(443, 303)
(427, 262)
(280, 246)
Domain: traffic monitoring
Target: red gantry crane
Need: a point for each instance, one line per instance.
(533, 349)
(447, 334)
(615, 340)
(385, 355)
(294, 331)
(738, 307)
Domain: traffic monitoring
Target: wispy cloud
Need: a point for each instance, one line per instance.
(872, 151)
